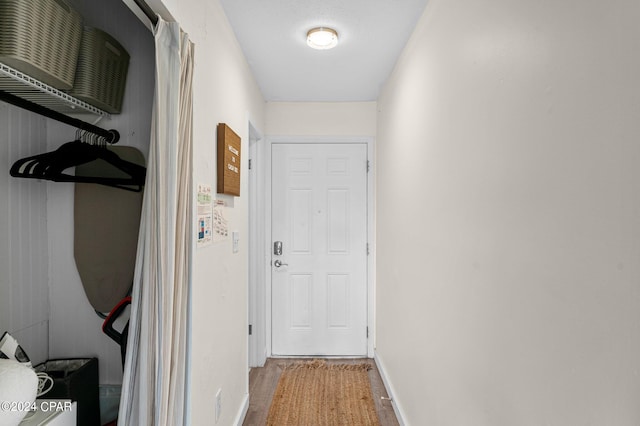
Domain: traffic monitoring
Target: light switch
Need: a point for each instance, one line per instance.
(235, 238)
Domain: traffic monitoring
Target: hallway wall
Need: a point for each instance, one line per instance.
(321, 118)
(508, 220)
(224, 91)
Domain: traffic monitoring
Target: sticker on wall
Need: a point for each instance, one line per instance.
(205, 215)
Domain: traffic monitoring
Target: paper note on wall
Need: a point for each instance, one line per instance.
(220, 224)
(204, 215)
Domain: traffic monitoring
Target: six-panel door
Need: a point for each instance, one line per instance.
(319, 282)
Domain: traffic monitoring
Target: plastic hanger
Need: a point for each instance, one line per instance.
(51, 165)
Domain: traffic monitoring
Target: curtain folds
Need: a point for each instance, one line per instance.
(154, 384)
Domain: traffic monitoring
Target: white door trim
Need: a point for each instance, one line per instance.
(256, 316)
(266, 166)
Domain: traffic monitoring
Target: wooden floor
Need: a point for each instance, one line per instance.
(263, 382)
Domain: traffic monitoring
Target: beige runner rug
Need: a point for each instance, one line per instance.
(315, 393)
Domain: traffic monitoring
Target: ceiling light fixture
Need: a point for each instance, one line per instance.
(322, 38)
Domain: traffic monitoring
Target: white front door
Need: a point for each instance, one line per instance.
(319, 282)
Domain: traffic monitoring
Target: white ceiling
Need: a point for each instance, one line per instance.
(272, 34)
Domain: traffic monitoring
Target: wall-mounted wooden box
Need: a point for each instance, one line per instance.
(228, 161)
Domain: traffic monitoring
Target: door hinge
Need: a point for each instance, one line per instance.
(249, 163)
(250, 329)
(367, 332)
(367, 249)
(368, 166)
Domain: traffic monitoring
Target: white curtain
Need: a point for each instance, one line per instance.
(154, 384)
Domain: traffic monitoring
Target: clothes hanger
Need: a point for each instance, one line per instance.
(51, 165)
(67, 155)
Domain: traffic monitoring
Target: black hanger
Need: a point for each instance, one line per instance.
(51, 165)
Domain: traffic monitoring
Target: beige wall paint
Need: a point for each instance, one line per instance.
(508, 218)
(224, 92)
(321, 118)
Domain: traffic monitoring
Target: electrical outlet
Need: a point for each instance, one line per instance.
(218, 404)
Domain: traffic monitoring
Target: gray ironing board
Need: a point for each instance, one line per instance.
(106, 225)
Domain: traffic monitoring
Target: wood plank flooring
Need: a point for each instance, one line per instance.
(263, 382)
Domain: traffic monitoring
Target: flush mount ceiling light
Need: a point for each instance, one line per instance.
(322, 38)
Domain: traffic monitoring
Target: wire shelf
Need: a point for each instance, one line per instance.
(27, 87)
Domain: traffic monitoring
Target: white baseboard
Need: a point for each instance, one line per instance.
(397, 407)
(242, 413)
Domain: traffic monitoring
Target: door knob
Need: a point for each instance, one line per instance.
(277, 263)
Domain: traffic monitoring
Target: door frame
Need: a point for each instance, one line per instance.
(266, 166)
(256, 347)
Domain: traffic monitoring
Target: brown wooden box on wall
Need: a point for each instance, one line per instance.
(228, 161)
